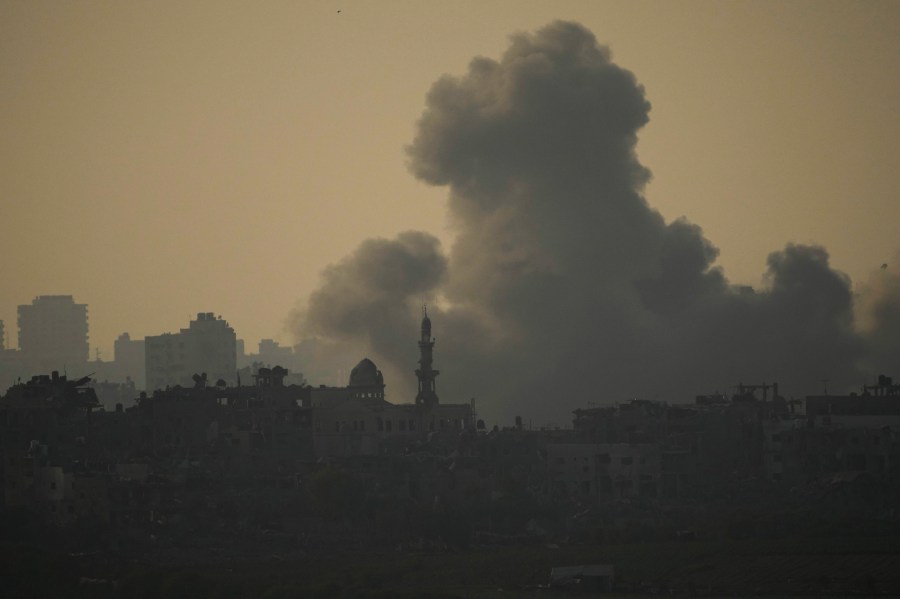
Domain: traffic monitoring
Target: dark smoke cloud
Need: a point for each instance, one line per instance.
(368, 299)
(880, 308)
(563, 286)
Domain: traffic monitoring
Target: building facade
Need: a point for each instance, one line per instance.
(208, 345)
(358, 420)
(53, 333)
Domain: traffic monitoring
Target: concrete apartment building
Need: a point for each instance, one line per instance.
(53, 334)
(208, 345)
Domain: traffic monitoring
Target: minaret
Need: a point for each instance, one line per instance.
(427, 395)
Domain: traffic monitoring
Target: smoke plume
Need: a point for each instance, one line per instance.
(879, 303)
(563, 287)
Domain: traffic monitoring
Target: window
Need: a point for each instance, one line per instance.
(627, 460)
(603, 458)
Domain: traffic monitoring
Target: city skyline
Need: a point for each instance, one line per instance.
(163, 161)
(620, 280)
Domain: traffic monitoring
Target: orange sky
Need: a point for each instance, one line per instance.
(166, 158)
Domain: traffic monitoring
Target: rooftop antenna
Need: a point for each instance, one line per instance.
(825, 386)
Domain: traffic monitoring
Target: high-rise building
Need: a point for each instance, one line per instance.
(53, 333)
(208, 346)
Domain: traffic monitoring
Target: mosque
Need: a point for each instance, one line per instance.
(358, 420)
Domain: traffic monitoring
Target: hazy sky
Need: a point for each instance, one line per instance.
(158, 159)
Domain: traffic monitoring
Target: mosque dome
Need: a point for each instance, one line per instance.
(366, 374)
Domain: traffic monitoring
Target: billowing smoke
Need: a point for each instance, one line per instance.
(563, 286)
(879, 304)
(367, 302)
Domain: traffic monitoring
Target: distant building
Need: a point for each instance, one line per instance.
(53, 333)
(877, 406)
(11, 367)
(113, 395)
(840, 434)
(605, 470)
(47, 407)
(208, 345)
(270, 354)
(10, 362)
(130, 358)
(358, 419)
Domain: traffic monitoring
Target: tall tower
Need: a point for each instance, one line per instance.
(427, 396)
